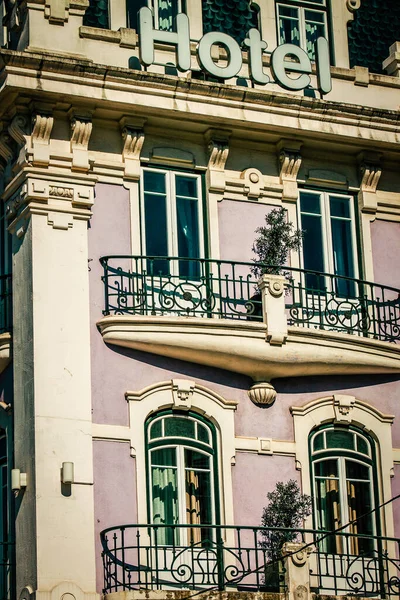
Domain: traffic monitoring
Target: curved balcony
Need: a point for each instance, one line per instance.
(251, 559)
(216, 313)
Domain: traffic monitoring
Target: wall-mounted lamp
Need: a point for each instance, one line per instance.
(67, 473)
(18, 481)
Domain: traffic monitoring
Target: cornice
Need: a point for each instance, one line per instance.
(107, 83)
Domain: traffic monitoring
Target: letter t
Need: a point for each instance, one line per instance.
(256, 45)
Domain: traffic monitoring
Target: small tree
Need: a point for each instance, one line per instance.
(287, 508)
(274, 242)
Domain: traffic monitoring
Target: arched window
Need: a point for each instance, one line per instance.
(344, 490)
(182, 468)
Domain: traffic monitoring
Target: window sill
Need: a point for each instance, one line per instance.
(241, 347)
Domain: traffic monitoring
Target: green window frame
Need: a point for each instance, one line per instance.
(344, 484)
(301, 23)
(172, 220)
(182, 472)
(329, 243)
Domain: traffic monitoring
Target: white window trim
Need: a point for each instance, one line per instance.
(302, 22)
(183, 394)
(171, 210)
(342, 409)
(328, 257)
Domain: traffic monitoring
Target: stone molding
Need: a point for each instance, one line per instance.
(289, 157)
(66, 590)
(60, 201)
(392, 63)
(18, 129)
(58, 11)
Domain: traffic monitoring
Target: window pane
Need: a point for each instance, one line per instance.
(155, 430)
(342, 246)
(310, 203)
(198, 505)
(355, 470)
(202, 434)
(318, 443)
(340, 207)
(165, 502)
(164, 457)
(154, 182)
(196, 460)
(314, 16)
(167, 11)
(179, 427)
(133, 7)
(289, 31)
(362, 445)
(186, 186)
(312, 244)
(329, 513)
(359, 500)
(340, 439)
(326, 468)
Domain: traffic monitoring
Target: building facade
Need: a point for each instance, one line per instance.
(154, 386)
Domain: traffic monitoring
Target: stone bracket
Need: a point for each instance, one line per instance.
(81, 130)
(42, 128)
(289, 158)
(133, 137)
(370, 174)
(218, 150)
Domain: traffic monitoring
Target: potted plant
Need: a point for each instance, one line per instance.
(287, 509)
(272, 246)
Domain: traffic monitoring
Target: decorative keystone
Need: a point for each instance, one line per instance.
(272, 288)
(262, 394)
(182, 392)
(289, 158)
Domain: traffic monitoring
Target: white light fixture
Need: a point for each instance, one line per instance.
(18, 481)
(67, 473)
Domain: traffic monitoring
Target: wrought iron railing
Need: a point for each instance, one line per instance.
(216, 557)
(140, 285)
(7, 571)
(5, 303)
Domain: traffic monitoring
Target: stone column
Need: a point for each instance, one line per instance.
(52, 385)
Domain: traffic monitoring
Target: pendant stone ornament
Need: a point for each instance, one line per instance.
(262, 394)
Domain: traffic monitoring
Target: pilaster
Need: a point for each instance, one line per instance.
(48, 219)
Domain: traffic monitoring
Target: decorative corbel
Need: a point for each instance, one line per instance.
(289, 158)
(42, 127)
(81, 130)
(218, 149)
(133, 139)
(18, 129)
(370, 174)
(6, 152)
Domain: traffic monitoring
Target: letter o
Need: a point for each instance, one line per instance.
(206, 61)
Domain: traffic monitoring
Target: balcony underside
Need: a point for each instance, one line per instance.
(242, 347)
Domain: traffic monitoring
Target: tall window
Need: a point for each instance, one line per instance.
(172, 220)
(343, 482)
(182, 466)
(164, 12)
(329, 243)
(302, 23)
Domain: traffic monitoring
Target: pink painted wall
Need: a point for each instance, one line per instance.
(386, 251)
(396, 503)
(114, 491)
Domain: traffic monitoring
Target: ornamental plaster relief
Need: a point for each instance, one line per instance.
(133, 139)
(370, 173)
(218, 151)
(81, 130)
(289, 158)
(40, 139)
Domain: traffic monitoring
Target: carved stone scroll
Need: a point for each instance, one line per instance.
(133, 139)
(370, 174)
(42, 128)
(218, 150)
(289, 165)
(18, 129)
(81, 130)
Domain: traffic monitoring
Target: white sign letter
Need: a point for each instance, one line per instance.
(280, 66)
(149, 35)
(256, 45)
(234, 55)
(323, 66)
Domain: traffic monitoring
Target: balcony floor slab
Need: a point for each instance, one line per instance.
(241, 346)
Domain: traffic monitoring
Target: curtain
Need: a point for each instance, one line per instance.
(193, 506)
(165, 502)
